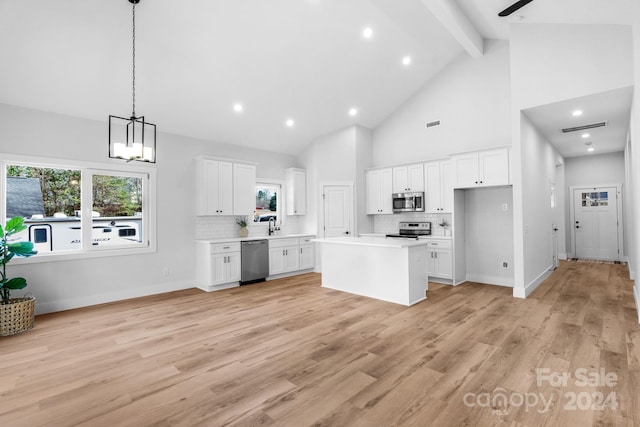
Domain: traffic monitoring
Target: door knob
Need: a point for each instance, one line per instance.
(346, 232)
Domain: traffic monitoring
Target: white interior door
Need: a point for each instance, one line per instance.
(337, 210)
(554, 228)
(595, 223)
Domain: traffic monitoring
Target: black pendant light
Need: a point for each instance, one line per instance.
(132, 138)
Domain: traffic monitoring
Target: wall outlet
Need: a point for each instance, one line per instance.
(165, 271)
(505, 264)
(505, 207)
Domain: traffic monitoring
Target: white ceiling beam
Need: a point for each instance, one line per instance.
(456, 22)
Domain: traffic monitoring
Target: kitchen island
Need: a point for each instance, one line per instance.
(388, 269)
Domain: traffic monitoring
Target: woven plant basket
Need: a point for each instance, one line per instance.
(17, 316)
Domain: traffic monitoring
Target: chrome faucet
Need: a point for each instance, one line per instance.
(272, 229)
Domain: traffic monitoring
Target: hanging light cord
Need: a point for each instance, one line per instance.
(133, 89)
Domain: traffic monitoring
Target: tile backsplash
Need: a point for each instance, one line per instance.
(387, 224)
(222, 227)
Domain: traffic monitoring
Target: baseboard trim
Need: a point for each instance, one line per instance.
(490, 280)
(563, 256)
(86, 301)
(523, 292)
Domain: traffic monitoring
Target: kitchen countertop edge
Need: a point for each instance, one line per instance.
(246, 239)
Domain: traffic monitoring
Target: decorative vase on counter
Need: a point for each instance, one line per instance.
(243, 221)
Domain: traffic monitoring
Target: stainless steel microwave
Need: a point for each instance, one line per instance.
(408, 202)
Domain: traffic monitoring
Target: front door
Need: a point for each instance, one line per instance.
(337, 210)
(595, 223)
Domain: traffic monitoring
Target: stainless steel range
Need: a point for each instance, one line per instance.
(412, 230)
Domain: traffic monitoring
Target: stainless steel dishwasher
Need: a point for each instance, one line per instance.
(254, 261)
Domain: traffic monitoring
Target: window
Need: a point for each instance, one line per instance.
(80, 210)
(268, 202)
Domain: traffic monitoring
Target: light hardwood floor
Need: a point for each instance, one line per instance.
(290, 353)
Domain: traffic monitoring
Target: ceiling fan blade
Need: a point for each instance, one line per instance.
(517, 5)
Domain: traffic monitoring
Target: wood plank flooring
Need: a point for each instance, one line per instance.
(290, 353)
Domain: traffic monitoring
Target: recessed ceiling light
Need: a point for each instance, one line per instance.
(367, 33)
(406, 60)
(353, 111)
(586, 135)
(590, 149)
(577, 113)
(289, 123)
(238, 108)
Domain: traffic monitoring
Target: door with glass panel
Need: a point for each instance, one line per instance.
(595, 223)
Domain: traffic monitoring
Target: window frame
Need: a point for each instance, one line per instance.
(87, 170)
(280, 211)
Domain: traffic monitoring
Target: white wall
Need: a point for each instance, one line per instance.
(551, 63)
(364, 160)
(68, 284)
(592, 170)
(633, 161)
(471, 99)
(539, 171)
(339, 157)
(489, 235)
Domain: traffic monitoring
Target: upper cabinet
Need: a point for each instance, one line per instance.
(438, 179)
(379, 190)
(296, 188)
(214, 187)
(244, 189)
(408, 178)
(224, 187)
(481, 168)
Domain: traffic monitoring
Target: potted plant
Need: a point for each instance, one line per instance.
(442, 222)
(16, 314)
(243, 221)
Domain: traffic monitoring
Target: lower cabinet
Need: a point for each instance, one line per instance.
(292, 254)
(439, 259)
(217, 265)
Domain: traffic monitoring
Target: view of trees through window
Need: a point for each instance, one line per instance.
(117, 195)
(266, 202)
(48, 191)
(42, 191)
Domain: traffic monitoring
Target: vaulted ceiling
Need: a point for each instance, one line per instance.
(303, 60)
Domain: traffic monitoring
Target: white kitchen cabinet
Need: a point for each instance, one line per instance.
(440, 259)
(379, 190)
(408, 178)
(481, 168)
(283, 256)
(244, 189)
(296, 191)
(214, 187)
(438, 178)
(307, 253)
(217, 265)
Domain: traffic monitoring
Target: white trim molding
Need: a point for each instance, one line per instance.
(524, 292)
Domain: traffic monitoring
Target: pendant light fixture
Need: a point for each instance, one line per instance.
(132, 138)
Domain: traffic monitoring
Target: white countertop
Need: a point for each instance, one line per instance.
(244, 239)
(373, 241)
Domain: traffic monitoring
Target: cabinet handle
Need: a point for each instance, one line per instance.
(226, 247)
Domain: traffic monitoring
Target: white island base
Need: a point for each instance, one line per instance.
(393, 270)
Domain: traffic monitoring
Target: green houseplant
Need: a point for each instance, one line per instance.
(16, 314)
(243, 221)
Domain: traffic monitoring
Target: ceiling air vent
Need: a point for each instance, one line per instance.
(585, 127)
(432, 124)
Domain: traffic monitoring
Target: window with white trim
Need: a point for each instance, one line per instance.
(71, 209)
